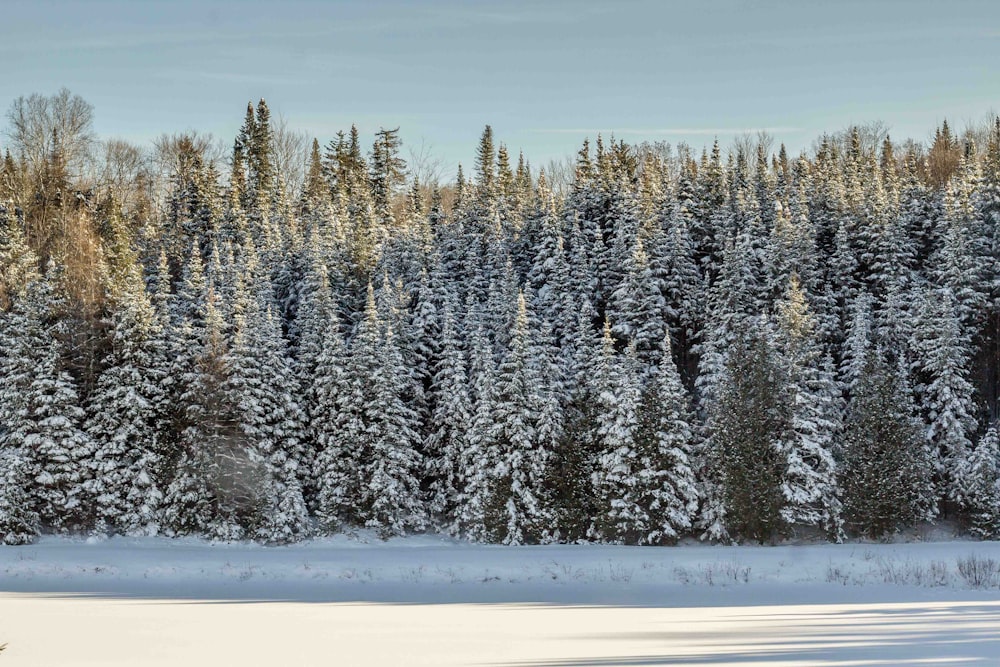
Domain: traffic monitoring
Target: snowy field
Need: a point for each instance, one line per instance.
(430, 601)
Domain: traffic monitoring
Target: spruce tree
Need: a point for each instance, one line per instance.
(620, 517)
(449, 426)
(666, 487)
(946, 394)
(125, 419)
(809, 485)
(18, 519)
(518, 510)
(885, 475)
(748, 426)
(980, 478)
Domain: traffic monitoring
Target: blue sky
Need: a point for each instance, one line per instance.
(544, 73)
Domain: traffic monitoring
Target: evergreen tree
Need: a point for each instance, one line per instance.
(125, 419)
(215, 484)
(518, 510)
(18, 519)
(809, 486)
(980, 477)
(885, 475)
(368, 467)
(748, 427)
(41, 413)
(947, 395)
(263, 389)
(449, 426)
(664, 439)
(620, 517)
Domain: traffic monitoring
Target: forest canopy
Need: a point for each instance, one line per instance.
(286, 339)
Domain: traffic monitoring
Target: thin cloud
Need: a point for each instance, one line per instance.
(667, 131)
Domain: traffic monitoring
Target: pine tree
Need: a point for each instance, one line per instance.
(885, 475)
(748, 426)
(125, 419)
(18, 520)
(449, 426)
(518, 510)
(327, 393)
(947, 395)
(809, 485)
(262, 180)
(637, 307)
(40, 408)
(367, 469)
(980, 477)
(315, 189)
(572, 466)
(393, 487)
(666, 487)
(387, 171)
(479, 461)
(620, 517)
(262, 388)
(214, 488)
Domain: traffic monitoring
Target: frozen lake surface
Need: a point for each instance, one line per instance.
(432, 601)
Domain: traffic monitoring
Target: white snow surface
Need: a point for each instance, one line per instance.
(435, 601)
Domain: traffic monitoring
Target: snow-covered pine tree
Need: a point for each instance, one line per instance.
(18, 519)
(262, 388)
(449, 426)
(367, 468)
(479, 460)
(392, 496)
(215, 485)
(748, 425)
(947, 396)
(980, 478)
(885, 475)
(636, 306)
(810, 482)
(326, 391)
(858, 342)
(125, 418)
(666, 487)
(314, 319)
(734, 304)
(518, 510)
(620, 517)
(572, 465)
(675, 269)
(42, 413)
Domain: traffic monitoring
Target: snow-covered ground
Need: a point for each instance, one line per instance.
(432, 601)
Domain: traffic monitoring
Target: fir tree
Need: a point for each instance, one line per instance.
(449, 425)
(885, 474)
(518, 511)
(125, 420)
(748, 426)
(809, 486)
(980, 477)
(18, 520)
(666, 487)
(621, 518)
(947, 395)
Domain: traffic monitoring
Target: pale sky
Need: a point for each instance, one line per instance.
(543, 73)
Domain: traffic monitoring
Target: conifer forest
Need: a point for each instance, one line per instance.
(653, 343)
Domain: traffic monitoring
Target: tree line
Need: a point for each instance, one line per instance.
(739, 347)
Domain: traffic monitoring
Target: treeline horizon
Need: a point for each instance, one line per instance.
(740, 347)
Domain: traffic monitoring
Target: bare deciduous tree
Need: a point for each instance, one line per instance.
(40, 125)
(291, 153)
(424, 166)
